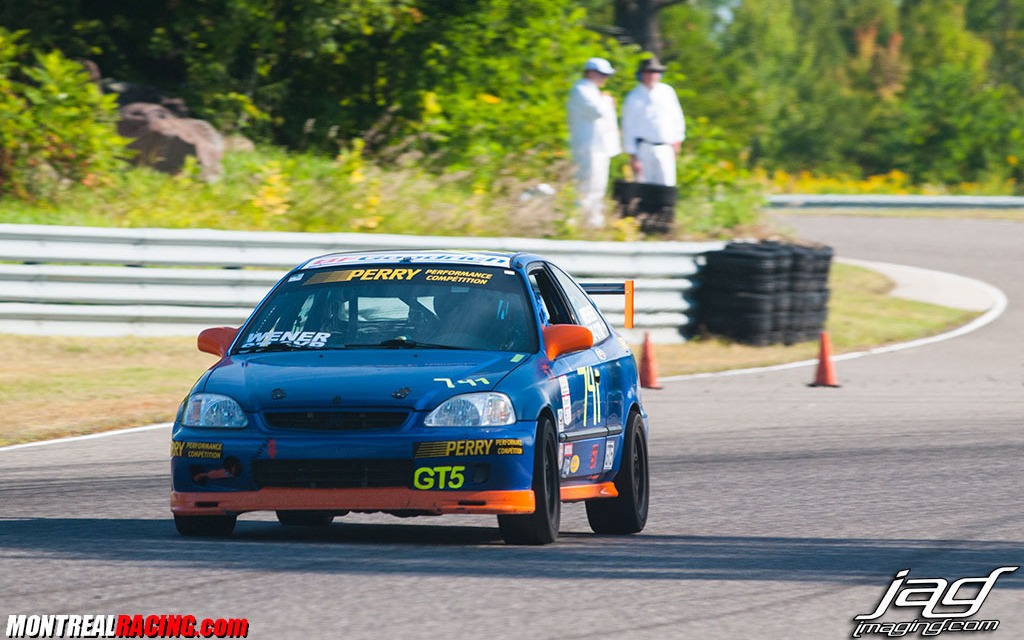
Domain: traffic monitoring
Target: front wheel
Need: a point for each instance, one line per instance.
(626, 513)
(208, 526)
(541, 526)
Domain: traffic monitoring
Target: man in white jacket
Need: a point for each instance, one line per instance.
(653, 126)
(593, 137)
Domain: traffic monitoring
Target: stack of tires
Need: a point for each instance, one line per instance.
(764, 293)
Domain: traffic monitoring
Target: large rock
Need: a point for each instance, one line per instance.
(129, 92)
(164, 141)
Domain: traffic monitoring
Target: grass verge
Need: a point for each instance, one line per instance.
(60, 386)
(862, 315)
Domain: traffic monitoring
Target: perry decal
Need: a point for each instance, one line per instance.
(363, 274)
(448, 477)
(462, 448)
(208, 450)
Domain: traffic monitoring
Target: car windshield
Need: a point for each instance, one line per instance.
(395, 307)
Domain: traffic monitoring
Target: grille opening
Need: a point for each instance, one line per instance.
(332, 474)
(335, 420)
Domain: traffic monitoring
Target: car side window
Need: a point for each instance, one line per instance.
(550, 301)
(586, 313)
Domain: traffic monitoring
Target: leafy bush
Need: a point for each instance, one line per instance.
(57, 128)
(716, 197)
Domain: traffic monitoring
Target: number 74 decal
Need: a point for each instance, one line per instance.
(470, 381)
(591, 394)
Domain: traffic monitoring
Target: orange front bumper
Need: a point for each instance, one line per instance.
(390, 499)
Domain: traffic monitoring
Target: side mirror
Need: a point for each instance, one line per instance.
(217, 340)
(560, 339)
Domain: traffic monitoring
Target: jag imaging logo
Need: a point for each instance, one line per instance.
(944, 606)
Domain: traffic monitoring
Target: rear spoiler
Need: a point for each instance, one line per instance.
(614, 288)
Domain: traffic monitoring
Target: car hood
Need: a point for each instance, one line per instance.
(407, 378)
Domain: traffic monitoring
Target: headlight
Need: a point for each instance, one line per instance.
(213, 410)
(473, 410)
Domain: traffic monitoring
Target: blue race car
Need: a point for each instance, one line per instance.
(417, 383)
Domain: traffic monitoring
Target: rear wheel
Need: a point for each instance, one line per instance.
(541, 526)
(626, 513)
(305, 518)
(208, 526)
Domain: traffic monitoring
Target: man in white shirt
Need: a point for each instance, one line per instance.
(653, 126)
(593, 137)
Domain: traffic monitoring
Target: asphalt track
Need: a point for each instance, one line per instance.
(779, 510)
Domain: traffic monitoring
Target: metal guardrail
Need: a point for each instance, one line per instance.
(113, 281)
(893, 201)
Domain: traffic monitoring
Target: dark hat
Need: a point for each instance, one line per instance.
(651, 64)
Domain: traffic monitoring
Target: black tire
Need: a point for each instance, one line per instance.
(206, 526)
(305, 518)
(626, 513)
(541, 526)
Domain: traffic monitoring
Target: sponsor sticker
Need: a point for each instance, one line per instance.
(574, 464)
(566, 413)
(448, 256)
(609, 455)
(206, 450)
(458, 277)
(313, 339)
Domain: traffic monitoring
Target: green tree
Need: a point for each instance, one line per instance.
(56, 128)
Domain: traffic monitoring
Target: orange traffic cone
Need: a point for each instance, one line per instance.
(826, 375)
(648, 368)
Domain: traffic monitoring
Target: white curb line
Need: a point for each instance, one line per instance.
(91, 436)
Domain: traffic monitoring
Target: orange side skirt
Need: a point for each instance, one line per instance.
(587, 491)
